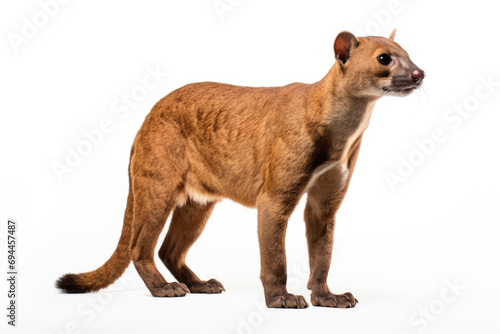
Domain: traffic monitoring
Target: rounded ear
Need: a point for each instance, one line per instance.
(393, 33)
(344, 44)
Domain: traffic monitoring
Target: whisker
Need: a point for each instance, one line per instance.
(426, 95)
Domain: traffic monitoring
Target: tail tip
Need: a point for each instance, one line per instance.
(70, 283)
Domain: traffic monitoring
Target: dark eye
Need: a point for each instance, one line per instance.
(384, 59)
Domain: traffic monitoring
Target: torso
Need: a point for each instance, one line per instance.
(230, 147)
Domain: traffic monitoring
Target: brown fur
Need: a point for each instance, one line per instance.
(263, 148)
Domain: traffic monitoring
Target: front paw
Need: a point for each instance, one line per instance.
(345, 300)
(286, 301)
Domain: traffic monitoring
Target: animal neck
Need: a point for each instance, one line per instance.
(339, 115)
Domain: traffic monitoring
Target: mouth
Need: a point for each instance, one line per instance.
(401, 89)
(408, 89)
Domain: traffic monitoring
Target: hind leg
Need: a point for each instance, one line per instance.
(158, 175)
(149, 219)
(188, 221)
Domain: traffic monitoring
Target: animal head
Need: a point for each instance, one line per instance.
(376, 66)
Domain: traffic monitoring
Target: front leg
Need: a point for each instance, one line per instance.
(273, 213)
(323, 200)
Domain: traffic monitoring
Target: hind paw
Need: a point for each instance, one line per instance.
(210, 286)
(171, 290)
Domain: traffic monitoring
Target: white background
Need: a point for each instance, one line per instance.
(396, 249)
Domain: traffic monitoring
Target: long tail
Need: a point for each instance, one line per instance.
(111, 270)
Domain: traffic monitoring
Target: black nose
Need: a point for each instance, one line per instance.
(418, 76)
